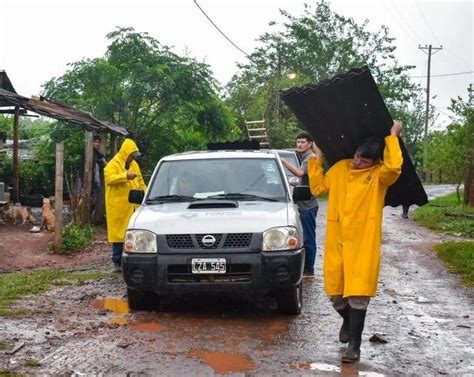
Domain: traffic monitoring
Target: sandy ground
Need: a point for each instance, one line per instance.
(422, 311)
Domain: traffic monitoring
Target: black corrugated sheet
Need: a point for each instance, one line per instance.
(340, 113)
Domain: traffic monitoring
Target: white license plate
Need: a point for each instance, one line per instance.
(208, 266)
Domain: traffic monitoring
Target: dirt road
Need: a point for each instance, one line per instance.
(422, 311)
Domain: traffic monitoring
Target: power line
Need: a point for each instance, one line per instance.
(220, 31)
(445, 74)
(406, 23)
(426, 23)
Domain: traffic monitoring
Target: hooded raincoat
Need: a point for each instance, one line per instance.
(117, 186)
(354, 219)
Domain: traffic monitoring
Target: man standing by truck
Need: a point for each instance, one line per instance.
(308, 209)
(121, 174)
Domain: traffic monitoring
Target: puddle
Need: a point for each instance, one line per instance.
(115, 305)
(146, 326)
(427, 319)
(224, 362)
(346, 369)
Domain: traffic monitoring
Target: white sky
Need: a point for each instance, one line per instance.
(38, 38)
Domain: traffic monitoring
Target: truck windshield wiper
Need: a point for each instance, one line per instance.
(171, 198)
(238, 195)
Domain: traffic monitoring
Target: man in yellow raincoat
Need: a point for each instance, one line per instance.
(357, 189)
(121, 174)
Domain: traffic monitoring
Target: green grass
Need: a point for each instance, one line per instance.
(32, 363)
(18, 284)
(7, 373)
(433, 216)
(5, 346)
(459, 257)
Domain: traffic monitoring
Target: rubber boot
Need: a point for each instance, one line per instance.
(344, 331)
(356, 326)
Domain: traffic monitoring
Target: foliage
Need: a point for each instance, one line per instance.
(169, 103)
(314, 46)
(450, 152)
(32, 363)
(459, 257)
(76, 237)
(15, 285)
(434, 216)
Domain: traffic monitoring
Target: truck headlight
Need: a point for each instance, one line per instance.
(281, 238)
(139, 241)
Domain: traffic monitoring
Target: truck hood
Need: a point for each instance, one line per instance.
(177, 218)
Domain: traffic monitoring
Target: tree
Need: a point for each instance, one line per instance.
(169, 103)
(315, 46)
(464, 111)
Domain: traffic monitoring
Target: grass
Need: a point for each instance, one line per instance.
(5, 346)
(7, 373)
(32, 363)
(459, 257)
(433, 216)
(18, 284)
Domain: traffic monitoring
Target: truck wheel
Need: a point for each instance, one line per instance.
(290, 300)
(142, 300)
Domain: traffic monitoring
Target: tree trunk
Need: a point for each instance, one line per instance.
(469, 182)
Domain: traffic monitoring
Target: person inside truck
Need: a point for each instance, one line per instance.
(185, 185)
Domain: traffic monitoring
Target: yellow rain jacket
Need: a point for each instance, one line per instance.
(354, 219)
(117, 186)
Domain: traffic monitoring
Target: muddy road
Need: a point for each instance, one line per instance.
(422, 311)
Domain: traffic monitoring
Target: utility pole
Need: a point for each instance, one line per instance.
(425, 138)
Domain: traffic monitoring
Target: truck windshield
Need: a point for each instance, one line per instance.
(245, 179)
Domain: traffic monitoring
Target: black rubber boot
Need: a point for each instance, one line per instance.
(344, 331)
(356, 326)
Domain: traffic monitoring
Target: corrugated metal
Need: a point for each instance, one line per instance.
(60, 111)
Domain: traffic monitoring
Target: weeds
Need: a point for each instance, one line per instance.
(76, 236)
(18, 284)
(32, 363)
(459, 257)
(448, 215)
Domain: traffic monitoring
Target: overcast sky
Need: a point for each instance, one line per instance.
(39, 38)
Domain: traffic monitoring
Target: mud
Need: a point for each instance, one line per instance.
(421, 310)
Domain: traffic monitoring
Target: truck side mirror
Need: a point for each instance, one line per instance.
(301, 193)
(136, 196)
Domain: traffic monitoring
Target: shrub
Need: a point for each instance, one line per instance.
(76, 236)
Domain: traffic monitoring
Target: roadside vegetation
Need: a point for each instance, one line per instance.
(447, 214)
(14, 286)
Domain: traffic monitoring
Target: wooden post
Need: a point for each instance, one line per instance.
(99, 213)
(16, 168)
(114, 142)
(58, 201)
(88, 160)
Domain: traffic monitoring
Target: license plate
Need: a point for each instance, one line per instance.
(208, 266)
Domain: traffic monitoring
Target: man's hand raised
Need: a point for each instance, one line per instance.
(396, 129)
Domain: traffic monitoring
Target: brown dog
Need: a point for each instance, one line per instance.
(19, 213)
(47, 217)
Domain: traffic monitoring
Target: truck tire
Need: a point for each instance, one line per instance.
(142, 300)
(290, 300)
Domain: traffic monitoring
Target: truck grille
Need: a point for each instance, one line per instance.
(195, 241)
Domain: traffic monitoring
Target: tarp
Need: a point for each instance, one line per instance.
(340, 113)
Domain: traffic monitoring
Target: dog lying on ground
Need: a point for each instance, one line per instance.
(19, 213)
(47, 217)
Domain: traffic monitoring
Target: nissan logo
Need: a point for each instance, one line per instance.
(208, 240)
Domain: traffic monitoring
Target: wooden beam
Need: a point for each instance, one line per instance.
(58, 201)
(16, 168)
(88, 161)
(99, 213)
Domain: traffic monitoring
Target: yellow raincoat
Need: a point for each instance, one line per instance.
(117, 186)
(354, 219)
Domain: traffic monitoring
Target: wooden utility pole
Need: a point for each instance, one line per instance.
(88, 161)
(427, 112)
(16, 167)
(58, 201)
